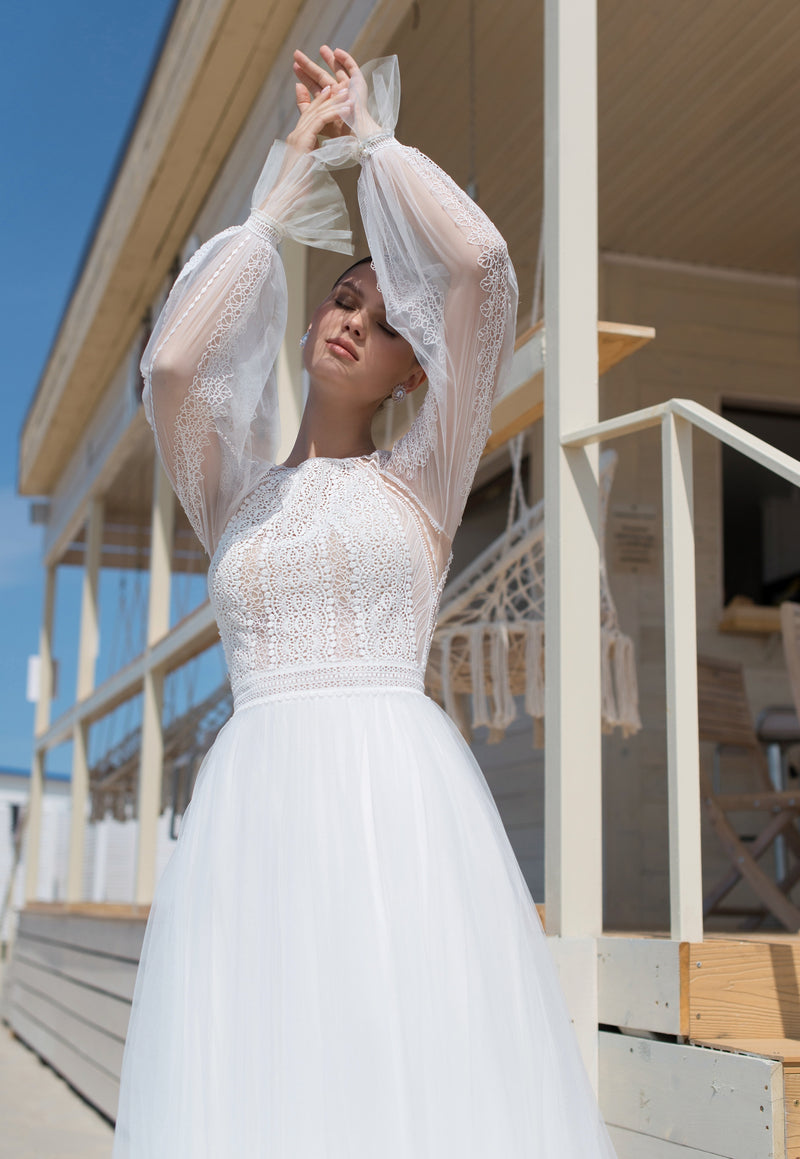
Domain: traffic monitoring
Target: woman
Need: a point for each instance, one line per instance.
(342, 959)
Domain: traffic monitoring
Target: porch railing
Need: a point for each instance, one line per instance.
(676, 419)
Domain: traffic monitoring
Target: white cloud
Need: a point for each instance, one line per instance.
(20, 541)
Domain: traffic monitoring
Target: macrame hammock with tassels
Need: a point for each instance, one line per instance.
(489, 641)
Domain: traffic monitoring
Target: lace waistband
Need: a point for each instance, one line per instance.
(338, 676)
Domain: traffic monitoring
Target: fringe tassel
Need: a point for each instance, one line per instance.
(608, 700)
(534, 668)
(505, 709)
(452, 706)
(619, 686)
(627, 686)
(480, 704)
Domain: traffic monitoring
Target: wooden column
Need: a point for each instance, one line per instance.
(573, 817)
(88, 642)
(151, 756)
(680, 625)
(33, 824)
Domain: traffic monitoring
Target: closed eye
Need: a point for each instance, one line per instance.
(345, 304)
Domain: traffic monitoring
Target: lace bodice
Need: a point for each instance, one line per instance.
(326, 576)
(334, 566)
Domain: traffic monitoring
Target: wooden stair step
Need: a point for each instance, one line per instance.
(787, 1052)
(744, 989)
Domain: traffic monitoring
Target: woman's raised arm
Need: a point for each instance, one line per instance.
(209, 367)
(448, 286)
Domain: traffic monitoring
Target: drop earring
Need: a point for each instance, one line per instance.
(399, 393)
(304, 339)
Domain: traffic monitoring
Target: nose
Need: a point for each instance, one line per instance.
(354, 323)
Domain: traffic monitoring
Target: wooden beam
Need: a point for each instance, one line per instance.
(573, 833)
(523, 404)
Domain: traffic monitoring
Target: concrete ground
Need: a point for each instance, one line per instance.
(41, 1117)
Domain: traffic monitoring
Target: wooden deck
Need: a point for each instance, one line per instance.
(699, 1042)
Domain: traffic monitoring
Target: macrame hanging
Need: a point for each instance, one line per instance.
(489, 642)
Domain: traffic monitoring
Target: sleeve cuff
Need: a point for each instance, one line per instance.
(265, 227)
(371, 145)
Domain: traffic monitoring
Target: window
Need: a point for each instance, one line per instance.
(761, 512)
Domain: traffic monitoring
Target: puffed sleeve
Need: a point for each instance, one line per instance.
(448, 287)
(210, 391)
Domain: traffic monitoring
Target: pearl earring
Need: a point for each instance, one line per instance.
(399, 393)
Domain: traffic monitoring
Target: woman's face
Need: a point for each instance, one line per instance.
(352, 349)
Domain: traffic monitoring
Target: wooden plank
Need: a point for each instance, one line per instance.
(97, 909)
(112, 975)
(750, 618)
(744, 989)
(107, 1012)
(639, 982)
(710, 1100)
(634, 1145)
(791, 1095)
(100, 1088)
(118, 937)
(104, 1049)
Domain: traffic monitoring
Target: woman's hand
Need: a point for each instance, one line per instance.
(319, 114)
(344, 71)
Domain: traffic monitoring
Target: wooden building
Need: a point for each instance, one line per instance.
(670, 184)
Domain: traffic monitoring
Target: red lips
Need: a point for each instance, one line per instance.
(345, 344)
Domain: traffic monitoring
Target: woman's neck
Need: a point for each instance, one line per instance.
(330, 431)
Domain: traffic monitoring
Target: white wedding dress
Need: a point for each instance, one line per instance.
(342, 958)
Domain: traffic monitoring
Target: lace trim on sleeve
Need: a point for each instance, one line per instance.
(265, 227)
(191, 265)
(211, 388)
(426, 308)
(371, 144)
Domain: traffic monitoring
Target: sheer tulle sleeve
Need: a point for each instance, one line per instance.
(210, 392)
(448, 286)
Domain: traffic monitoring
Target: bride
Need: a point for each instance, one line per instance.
(342, 959)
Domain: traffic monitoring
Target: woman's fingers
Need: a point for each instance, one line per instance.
(314, 75)
(328, 55)
(303, 97)
(345, 61)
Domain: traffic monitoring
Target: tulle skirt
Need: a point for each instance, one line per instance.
(343, 960)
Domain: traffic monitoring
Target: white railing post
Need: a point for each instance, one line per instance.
(151, 755)
(88, 644)
(33, 824)
(680, 622)
(573, 804)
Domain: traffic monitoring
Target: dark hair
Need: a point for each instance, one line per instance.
(344, 273)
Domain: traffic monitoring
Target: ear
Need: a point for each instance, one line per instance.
(415, 379)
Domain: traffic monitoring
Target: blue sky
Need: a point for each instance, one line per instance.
(71, 79)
